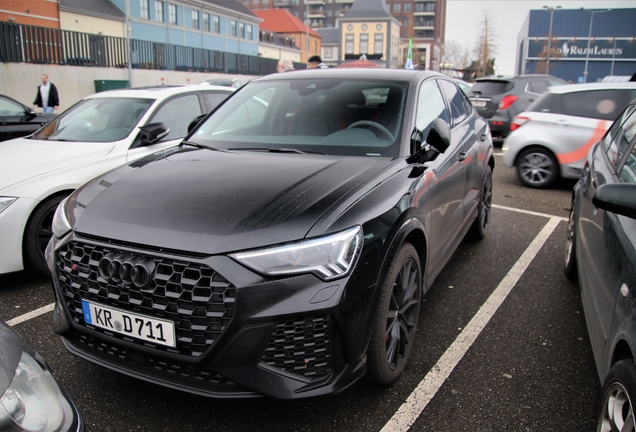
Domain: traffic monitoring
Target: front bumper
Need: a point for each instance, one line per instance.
(12, 223)
(238, 334)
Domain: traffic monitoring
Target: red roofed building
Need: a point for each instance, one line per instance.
(284, 22)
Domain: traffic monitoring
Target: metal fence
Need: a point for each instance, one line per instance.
(30, 44)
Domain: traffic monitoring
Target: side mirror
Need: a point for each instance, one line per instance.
(195, 121)
(30, 112)
(439, 135)
(150, 134)
(616, 198)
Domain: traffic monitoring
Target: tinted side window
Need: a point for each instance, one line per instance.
(628, 172)
(430, 105)
(598, 104)
(177, 114)
(455, 100)
(214, 99)
(537, 87)
(621, 137)
(545, 103)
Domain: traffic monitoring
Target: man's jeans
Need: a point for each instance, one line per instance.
(47, 109)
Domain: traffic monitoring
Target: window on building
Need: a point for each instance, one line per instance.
(216, 22)
(378, 43)
(232, 28)
(364, 43)
(195, 19)
(430, 7)
(159, 11)
(172, 14)
(206, 22)
(397, 7)
(241, 30)
(407, 7)
(329, 52)
(349, 43)
(248, 28)
(143, 9)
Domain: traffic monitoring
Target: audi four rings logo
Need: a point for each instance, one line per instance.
(127, 269)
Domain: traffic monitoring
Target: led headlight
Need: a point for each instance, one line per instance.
(61, 225)
(32, 401)
(6, 202)
(327, 257)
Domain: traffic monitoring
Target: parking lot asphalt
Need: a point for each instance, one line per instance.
(502, 345)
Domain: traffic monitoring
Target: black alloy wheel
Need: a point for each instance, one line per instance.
(477, 230)
(38, 232)
(570, 266)
(396, 317)
(617, 409)
(537, 168)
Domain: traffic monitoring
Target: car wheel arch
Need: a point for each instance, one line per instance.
(622, 351)
(536, 146)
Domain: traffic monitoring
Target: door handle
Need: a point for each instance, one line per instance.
(483, 137)
(462, 156)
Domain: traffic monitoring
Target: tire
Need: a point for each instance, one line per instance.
(619, 392)
(537, 168)
(477, 230)
(396, 318)
(570, 267)
(38, 232)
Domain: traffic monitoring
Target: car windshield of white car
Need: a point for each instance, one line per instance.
(325, 116)
(96, 120)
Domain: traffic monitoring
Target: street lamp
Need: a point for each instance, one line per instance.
(551, 9)
(589, 36)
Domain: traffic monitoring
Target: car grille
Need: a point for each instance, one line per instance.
(301, 346)
(197, 299)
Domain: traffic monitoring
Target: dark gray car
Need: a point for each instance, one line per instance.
(499, 98)
(30, 399)
(601, 255)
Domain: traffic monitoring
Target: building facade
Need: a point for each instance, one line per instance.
(221, 25)
(422, 21)
(578, 45)
(41, 13)
(97, 17)
(282, 21)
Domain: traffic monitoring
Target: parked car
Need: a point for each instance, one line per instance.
(499, 98)
(18, 120)
(97, 134)
(284, 247)
(30, 398)
(552, 137)
(601, 255)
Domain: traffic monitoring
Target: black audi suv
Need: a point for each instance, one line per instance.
(283, 248)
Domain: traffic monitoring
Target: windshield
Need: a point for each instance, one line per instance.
(96, 120)
(491, 87)
(329, 116)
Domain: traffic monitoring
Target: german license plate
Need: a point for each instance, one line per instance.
(479, 104)
(153, 330)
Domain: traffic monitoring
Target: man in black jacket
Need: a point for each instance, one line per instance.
(47, 97)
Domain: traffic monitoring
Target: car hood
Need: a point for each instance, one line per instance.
(22, 158)
(211, 202)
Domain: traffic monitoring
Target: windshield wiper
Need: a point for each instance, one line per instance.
(276, 150)
(199, 145)
(61, 139)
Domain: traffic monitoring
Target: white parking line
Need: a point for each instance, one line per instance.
(529, 212)
(428, 387)
(29, 315)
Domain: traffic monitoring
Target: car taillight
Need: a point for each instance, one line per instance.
(507, 101)
(517, 122)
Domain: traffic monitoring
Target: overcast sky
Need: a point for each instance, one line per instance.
(464, 18)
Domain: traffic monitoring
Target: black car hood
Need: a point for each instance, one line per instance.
(11, 346)
(212, 202)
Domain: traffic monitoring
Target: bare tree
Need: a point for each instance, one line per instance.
(549, 54)
(456, 56)
(485, 47)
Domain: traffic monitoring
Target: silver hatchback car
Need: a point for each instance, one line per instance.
(552, 137)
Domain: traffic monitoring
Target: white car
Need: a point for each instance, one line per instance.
(95, 135)
(552, 137)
